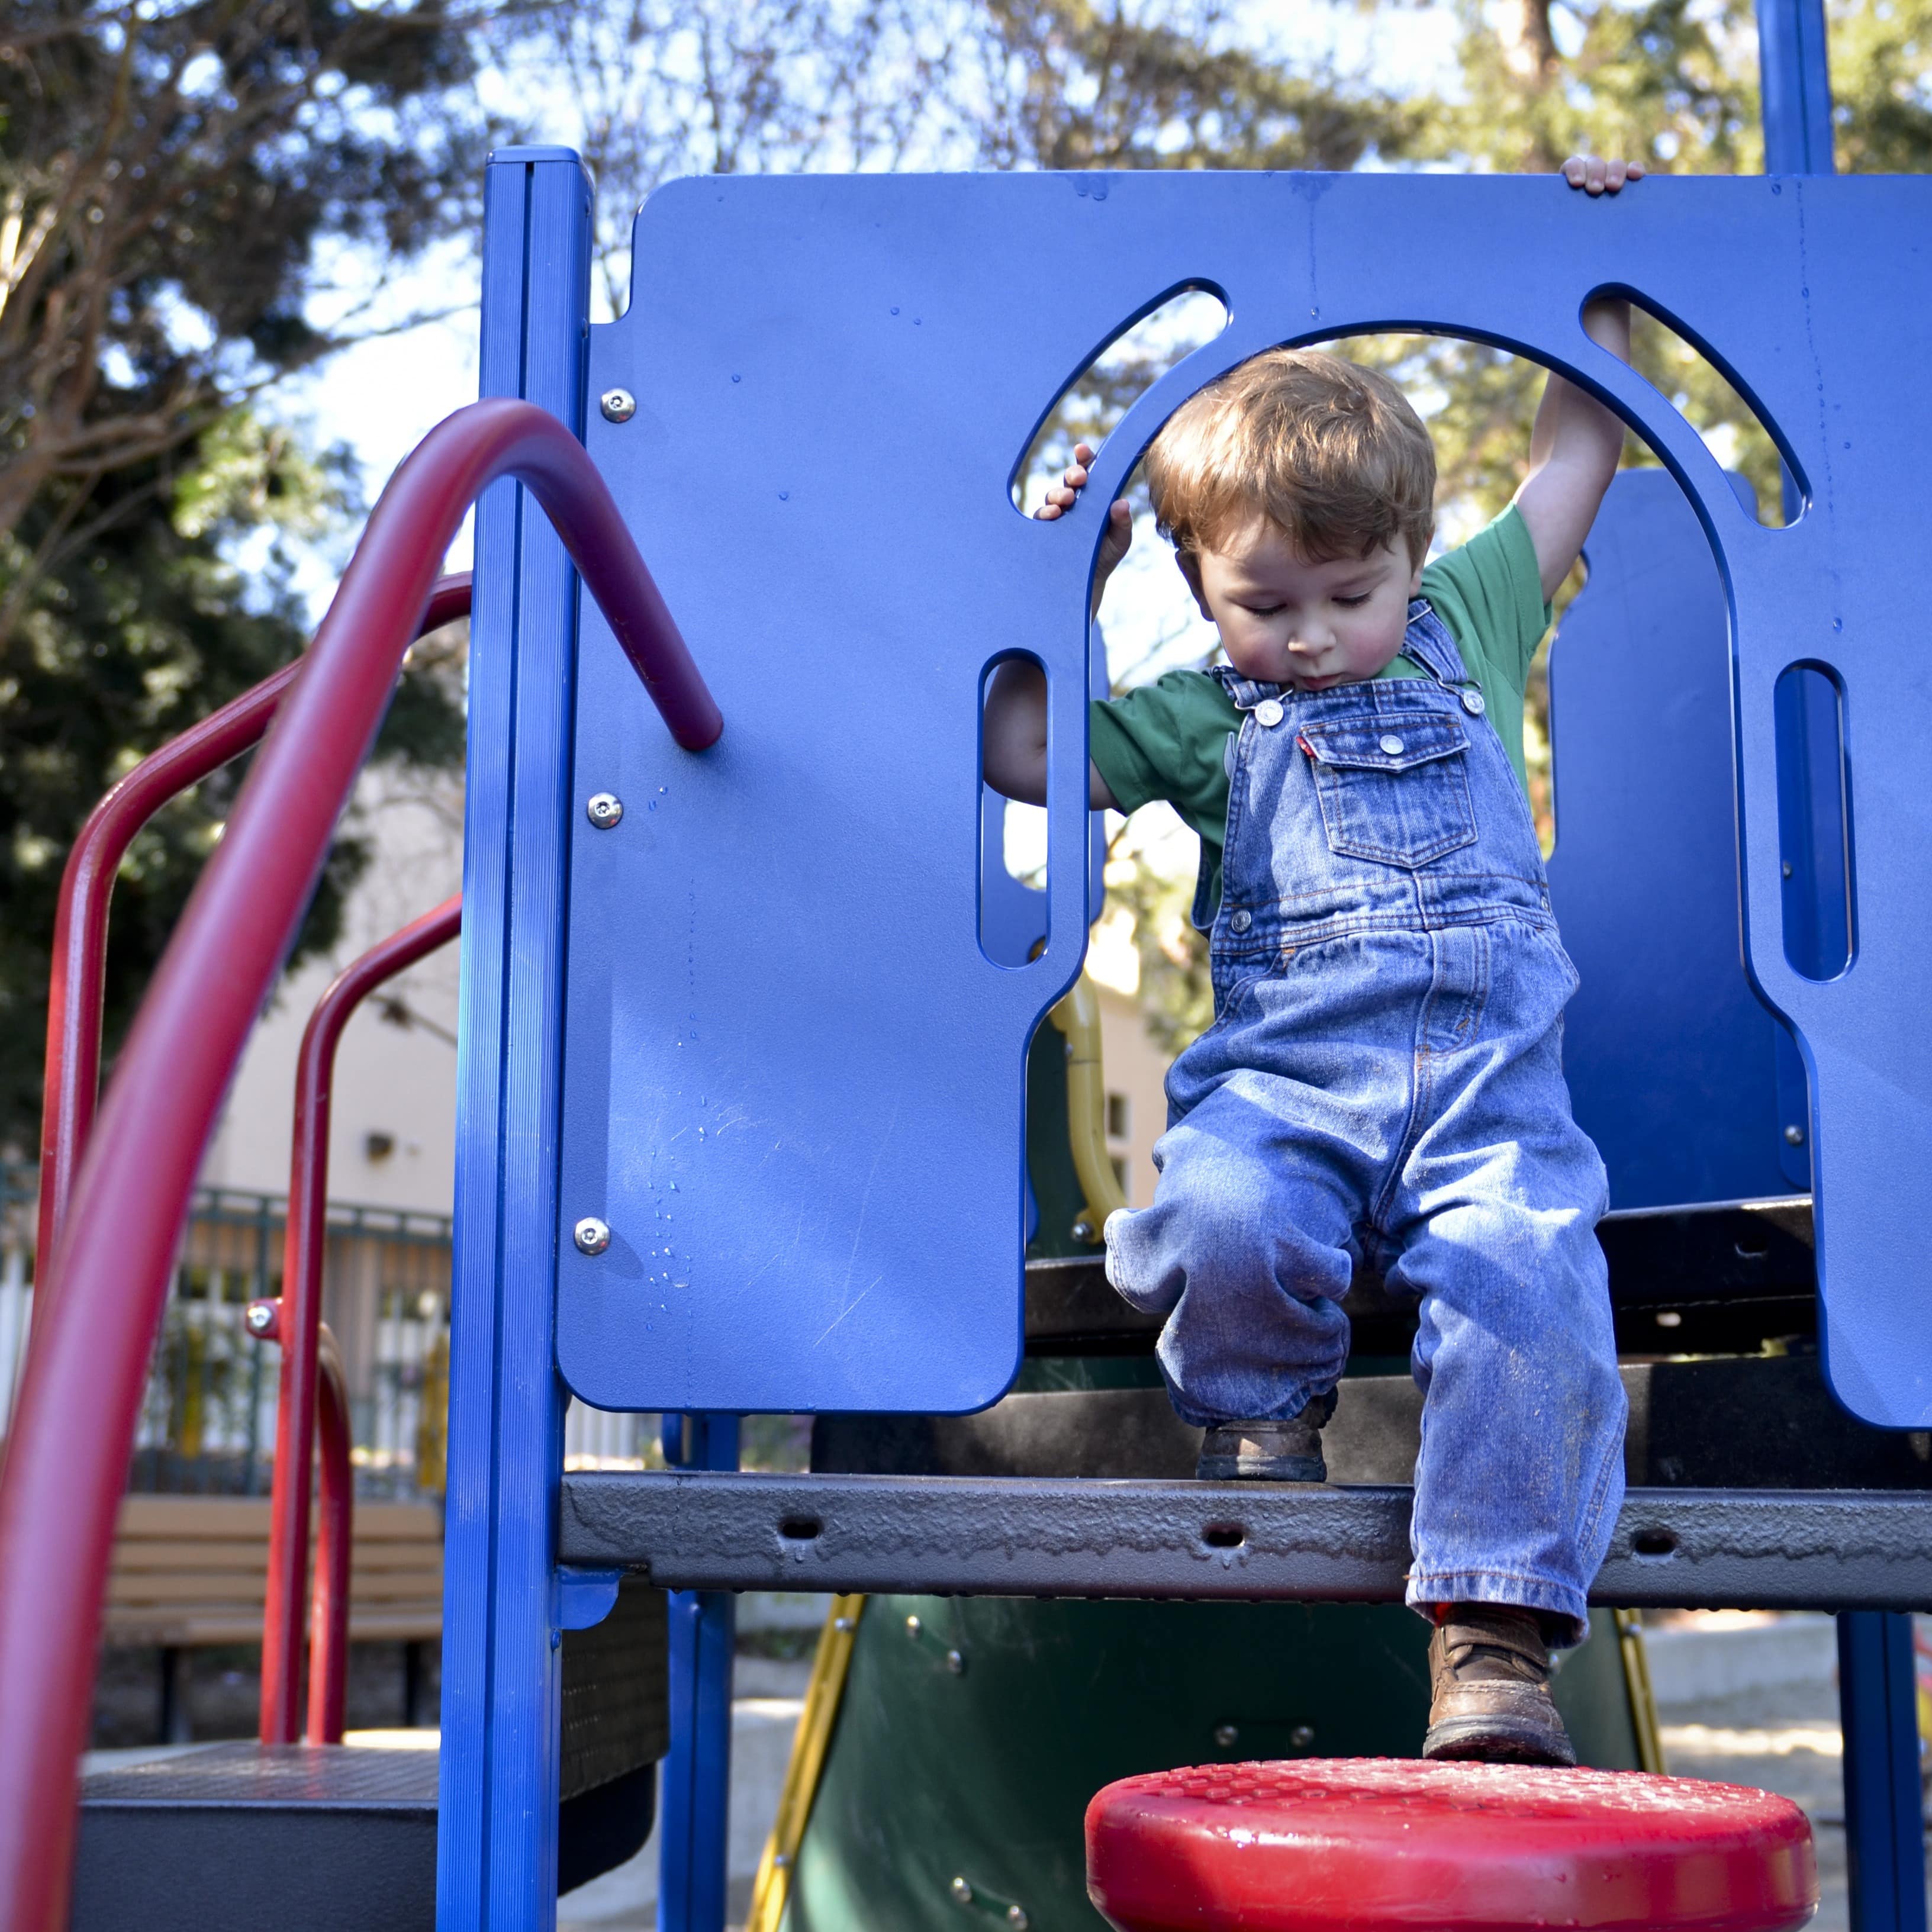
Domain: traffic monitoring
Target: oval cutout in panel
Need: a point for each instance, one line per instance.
(1120, 371)
(1814, 823)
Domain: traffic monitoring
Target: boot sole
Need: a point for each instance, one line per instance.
(1278, 1469)
(1496, 1741)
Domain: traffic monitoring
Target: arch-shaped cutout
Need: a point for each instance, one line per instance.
(1711, 396)
(1095, 397)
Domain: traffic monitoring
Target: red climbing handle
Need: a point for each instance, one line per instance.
(73, 1430)
(298, 1325)
(74, 995)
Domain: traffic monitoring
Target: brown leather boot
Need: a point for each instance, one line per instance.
(1489, 1673)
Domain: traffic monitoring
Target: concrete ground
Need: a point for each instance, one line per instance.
(1750, 1698)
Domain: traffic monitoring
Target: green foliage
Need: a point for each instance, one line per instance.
(171, 175)
(120, 650)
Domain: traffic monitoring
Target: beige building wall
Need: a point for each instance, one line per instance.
(392, 1126)
(1134, 1067)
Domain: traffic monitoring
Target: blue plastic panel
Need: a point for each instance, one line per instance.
(1672, 1059)
(832, 376)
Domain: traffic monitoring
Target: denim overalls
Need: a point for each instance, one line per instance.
(1384, 1079)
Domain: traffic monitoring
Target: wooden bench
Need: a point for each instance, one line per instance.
(191, 1572)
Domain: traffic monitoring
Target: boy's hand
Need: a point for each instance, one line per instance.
(1065, 493)
(1595, 175)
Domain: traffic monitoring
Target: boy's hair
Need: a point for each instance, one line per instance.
(1331, 453)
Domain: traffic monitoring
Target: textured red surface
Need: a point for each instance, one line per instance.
(1363, 1843)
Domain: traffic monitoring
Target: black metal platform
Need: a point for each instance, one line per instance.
(1721, 1276)
(1044, 1536)
(239, 1838)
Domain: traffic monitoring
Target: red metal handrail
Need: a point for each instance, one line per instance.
(76, 991)
(73, 1430)
(334, 1532)
(297, 1323)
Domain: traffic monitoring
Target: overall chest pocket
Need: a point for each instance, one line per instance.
(1392, 789)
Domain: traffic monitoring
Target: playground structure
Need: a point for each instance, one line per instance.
(741, 1118)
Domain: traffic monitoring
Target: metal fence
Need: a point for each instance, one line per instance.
(208, 1418)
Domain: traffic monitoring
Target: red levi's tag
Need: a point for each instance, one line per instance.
(1302, 740)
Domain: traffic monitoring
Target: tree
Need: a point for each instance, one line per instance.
(170, 177)
(168, 173)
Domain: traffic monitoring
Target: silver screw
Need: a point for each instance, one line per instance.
(914, 1626)
(260, 1318)
(1017, 1919)
(1226, 1737)
(592, 1235)
(955, 1663)
(962, 1891)
(841, 1623)
(604, 809)
(1302, 1736)
(1795, 1135)
(1083, 1229)
(781, 1861)
(618, 405)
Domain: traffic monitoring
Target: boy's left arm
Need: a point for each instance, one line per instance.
(1577, 442)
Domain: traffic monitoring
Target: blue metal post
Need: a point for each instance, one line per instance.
(1884, 1827)
(1878, 1704)
(697, 1778)
(497, 1842)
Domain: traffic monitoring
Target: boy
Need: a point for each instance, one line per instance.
(1383, 1077)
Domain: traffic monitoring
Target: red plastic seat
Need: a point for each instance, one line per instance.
(1365, 1843)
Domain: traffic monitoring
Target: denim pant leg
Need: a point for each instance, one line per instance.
(1244, 1248)
(1521, 1471)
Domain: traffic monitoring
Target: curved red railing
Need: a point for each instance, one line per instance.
(334, 1530)
(297, 1325)
(76, 990)
(74, 1429)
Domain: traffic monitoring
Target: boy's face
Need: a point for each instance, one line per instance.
(1285, 620)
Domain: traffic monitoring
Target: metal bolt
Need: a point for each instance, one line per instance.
(1795, 1135)
(591, 1236)
(261, 1318)
(1302, 1736)
(914, 1626)
(841, 1623)
(604, 809)
(1787, 868)
(1083, 1230)
(618, 405)
(1226, 1737)
(962, 1891)
(1017, 1919)
(955, 1663)
(781, 1860)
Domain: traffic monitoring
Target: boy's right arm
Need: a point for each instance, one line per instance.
(1014, 737)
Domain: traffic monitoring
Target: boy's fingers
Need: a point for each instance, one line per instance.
(1046, 513)
(1083, 452)
(1075, 479)
(1573, 170)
